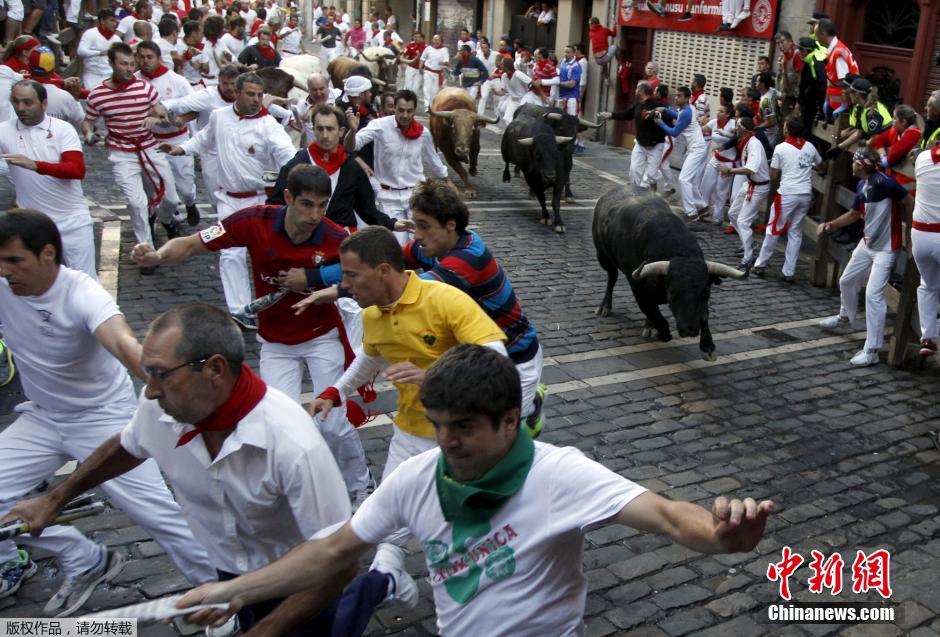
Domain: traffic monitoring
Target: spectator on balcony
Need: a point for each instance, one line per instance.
(733, 13)
(655, 7)
(687, 10)
(598, 34)
(546, 15)
(894, 143)
(533, 11)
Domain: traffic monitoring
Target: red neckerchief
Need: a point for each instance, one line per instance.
(795, 141)
(579, 57)
(328, 161)
(246, 394)
(161, 70)
(120, 86)
(107, 34)
(16, 65)
(935, 154)
(722, 122)
(260, 113)
(266, 52)
(255, 26)
(695, 96)
(742, 142)
(544, 70)
(413, 131)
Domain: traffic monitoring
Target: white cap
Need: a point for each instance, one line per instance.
(356, 85)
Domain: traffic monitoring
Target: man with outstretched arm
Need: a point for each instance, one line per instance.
(502, 518)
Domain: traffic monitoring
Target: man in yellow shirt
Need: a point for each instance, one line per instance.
(408, 323)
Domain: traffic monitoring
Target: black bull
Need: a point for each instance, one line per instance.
(531, 144)
(639, 235)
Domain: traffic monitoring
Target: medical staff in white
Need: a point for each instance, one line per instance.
(248, 143)
(434, 62)
(716, 187)
(93, 49)
(882, 203)
(72, 346)
(748, 200)
(402, 148)
(46, 168)
(511, 566)
(169, 86)
(791, 167)
(925, 238)
(690, 177)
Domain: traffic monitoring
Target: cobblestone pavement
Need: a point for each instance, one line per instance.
(847, 454)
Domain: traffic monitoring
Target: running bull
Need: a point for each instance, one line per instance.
(531, 144)
(637, 234)
(455, 127)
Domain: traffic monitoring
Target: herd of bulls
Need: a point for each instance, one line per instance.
(634, 232)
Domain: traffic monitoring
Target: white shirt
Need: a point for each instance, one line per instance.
(583, 62)
(522, 576)
(62, 199)
(246, 148)
(232, 44)
(61, 105)
(756, 160)
(190, 72)
(516, 87)
(399, 162)
(126, 27)
(702, 106)
(170, 85)
(214, 56)
(63, 367)
(796, 167)
(927, 198)
(434, 59)
(273, 484)
(289, 40)
(546, 16)
(250, 16)
(302, 112)
(203, 101)
(489, 62)
(166, 51)
(720, 140)
(8, 77)
(470, 43)
(90, 46)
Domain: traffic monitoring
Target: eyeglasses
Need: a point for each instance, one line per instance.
(161, 375)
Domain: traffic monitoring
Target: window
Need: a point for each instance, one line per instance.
(892, 23)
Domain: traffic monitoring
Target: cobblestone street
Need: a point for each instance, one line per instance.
(850, 456)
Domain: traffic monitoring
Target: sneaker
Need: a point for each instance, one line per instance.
(358, 497)
(246, 321)
(76, 590)
(724, 26)
(579, 149)
(837, 323)
(739, 252)
(148, 270)
(759, 270)
(738, 19)
(928, 347)
(54, 38)
(668, 192)
(7, 366)
(172, 229)
(192, 214)
(390, 559)
(704, 213)
(730, 230)
(656, 8)
(865, 358)
(788, 278)
(228, 629)
(535, 421)
(15, 572)
(745, 264)
(685, 17)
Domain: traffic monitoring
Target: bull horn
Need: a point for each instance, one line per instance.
(656, 268)
(443, 114)
(379, 82)
(562, 140)
(552, 116)
(526, 141)
(487, 119)
(720, 269)
(584, 122)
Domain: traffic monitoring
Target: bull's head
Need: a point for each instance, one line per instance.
(688, 287)
(545, 154)
(462, 123)
(583, 124)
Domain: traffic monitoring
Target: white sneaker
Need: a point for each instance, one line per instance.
(76, 591)
(865, 358)
(390, 559)
(738, 19)
(837, 323)
(228, 629)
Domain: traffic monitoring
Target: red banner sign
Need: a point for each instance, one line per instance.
(706, 17)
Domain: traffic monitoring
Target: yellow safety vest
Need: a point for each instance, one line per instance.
(882, 111)
(926, 141)
(816, 55)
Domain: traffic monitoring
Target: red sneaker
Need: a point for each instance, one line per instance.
(928, 347)
(730, 230)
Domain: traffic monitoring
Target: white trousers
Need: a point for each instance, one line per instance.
(744, 211)
(282, 367)
(413, 80)
(233, 262)
(397, 205)
(530, 375)
(184, 174)
(926, 248)
(716, 189)
(875, 266)
(731, 8)
(569, 105)
(78, 249)
(351, 314)
(39, 442)
(134, 180)
(210, 178)
(689, 179)
(644, 164)
(432, 85)
(402, 446)
(667, 180)
(786, 210)
(486, 89)
(506, 109)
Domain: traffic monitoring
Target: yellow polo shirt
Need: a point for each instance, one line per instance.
(429, 319)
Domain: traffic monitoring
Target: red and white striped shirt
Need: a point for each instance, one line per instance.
(124, 112)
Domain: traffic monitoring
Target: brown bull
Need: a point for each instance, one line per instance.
(343, 66)
(383, 63)
(455, 127)
(276, 81)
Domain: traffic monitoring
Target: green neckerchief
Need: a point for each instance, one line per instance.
(476, 501)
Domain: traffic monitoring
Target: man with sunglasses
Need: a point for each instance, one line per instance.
(72, 344)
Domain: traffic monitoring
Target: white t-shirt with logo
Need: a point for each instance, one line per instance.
(63, 366)
(796, 167)
(520, 573)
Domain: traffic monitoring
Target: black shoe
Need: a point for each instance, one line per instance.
(192, 214)
(787, 279)
(656, 8)
(759, 271)
(739, 252)
(172, 230)
(724, 26)
(685, 17)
